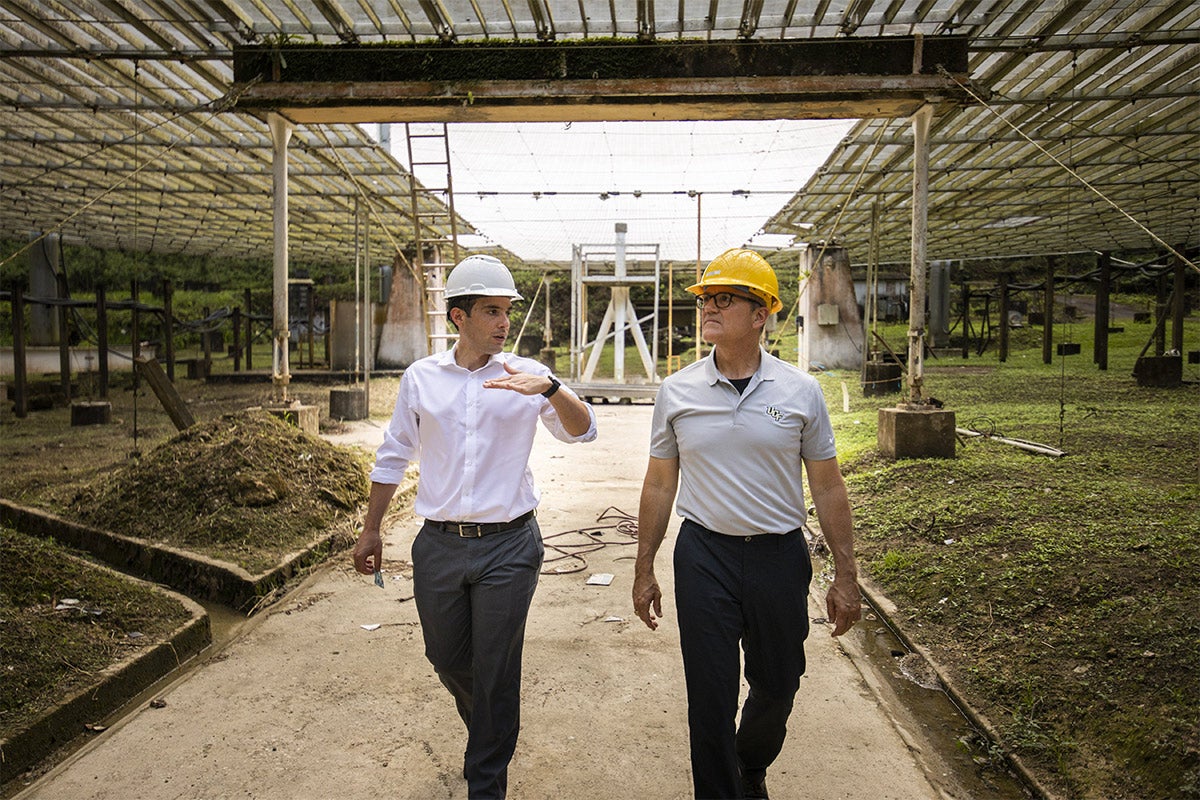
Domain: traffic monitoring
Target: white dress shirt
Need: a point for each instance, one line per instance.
(473, 444)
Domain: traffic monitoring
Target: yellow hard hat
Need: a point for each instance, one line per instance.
(745, 268)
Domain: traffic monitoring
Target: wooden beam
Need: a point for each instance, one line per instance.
(800, 79)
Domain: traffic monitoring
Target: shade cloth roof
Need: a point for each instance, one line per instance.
(119, 124)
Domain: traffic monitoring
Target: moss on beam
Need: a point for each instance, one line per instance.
(608, 59)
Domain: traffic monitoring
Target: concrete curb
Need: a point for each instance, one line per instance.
(887, 612)
(115, 686)
(191, 573)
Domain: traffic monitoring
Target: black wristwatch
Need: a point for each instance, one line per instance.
(554, 384)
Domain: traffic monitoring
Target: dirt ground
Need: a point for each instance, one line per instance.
(304, 702)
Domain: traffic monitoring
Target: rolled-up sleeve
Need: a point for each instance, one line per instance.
(400, 440)
(553, 424)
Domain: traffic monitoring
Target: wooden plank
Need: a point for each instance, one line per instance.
(164, 390)
(561, 81)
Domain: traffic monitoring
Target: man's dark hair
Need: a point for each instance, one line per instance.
(466, 302)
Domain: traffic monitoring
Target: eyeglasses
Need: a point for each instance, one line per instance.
(721, 299)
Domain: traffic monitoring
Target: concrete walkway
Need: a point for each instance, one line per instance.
(308, 704)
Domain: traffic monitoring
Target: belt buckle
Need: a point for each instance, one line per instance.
(464, 526)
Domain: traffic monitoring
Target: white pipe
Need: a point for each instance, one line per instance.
(620, 300)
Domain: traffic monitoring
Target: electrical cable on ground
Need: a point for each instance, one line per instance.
(617, 528)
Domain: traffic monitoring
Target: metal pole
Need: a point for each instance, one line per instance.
(620, 299)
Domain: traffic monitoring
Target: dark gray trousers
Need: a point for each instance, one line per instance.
(752, 592)
(473, 597)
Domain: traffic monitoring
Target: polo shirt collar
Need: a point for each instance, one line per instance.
(767, 368)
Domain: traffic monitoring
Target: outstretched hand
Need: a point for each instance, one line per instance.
(521, 382)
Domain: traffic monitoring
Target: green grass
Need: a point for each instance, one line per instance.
(51, 648)
(1060, 593)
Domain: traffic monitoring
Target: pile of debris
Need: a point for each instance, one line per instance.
(246, 488)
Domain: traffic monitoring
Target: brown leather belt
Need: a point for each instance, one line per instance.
(473, 530)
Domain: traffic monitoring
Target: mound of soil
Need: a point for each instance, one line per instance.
(246, 488)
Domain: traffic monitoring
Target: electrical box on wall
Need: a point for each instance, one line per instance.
(827, 314)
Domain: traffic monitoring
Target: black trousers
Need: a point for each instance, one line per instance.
(473, 598)
(750, 591)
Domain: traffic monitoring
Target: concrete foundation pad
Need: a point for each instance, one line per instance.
(916, 433)
(1161, 371)
(348, 403)
(306, 418)
(91, 413)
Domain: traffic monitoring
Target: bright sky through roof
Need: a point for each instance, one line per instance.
(537, 189)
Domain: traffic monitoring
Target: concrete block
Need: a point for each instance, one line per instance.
(1161, 371)
(348, 402)
(87, 412)
(916, 433)
(881, 377)
(306, 418)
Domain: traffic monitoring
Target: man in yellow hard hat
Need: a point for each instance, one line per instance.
(731, 433)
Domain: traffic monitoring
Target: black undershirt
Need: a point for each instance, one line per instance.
(740, 384)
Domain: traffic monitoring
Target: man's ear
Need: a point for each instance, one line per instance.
(457, 315)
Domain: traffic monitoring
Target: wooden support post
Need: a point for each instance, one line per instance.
(64, 339)
(1160, 315)
(206, 344)
(311, 318)
(102, 339)
(236, 348)
(169, 328)
(164, 390)
(249, 332)
(1048, 314)
(1103, 310)
(20, 382)
(966, 319)
(1177, 304)
(1005, 306)
(136, 327)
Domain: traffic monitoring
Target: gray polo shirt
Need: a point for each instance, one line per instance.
(740, 456)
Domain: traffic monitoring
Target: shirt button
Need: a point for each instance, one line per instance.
(748, 538)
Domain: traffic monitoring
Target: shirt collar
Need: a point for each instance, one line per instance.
(447, 358)
(767, 368)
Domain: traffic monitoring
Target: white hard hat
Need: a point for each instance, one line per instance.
(481, 275)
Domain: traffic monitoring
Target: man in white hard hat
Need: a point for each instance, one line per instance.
(469, 416)
(731, 433)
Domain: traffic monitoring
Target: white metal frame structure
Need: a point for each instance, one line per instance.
(615, 267)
